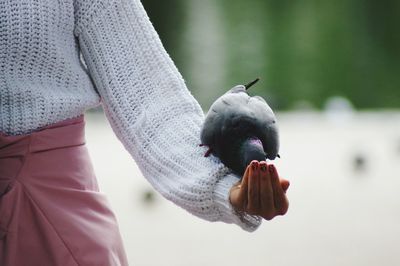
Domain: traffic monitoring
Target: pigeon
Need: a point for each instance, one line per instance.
(239, 128)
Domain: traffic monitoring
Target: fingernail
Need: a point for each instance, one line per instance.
(263, 168)
(254, 165)
(271, 169)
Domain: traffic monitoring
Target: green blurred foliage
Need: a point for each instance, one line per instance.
(304, 51)
(168, 18)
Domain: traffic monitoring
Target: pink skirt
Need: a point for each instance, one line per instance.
(51, 210)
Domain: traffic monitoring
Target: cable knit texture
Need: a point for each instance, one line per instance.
(150, 109)
(41, 77)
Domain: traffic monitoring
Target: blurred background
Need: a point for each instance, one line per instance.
(331, 71)
(304, 51)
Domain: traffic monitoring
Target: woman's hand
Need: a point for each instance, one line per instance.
(261, 192)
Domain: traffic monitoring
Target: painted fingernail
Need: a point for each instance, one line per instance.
(271, 169)
(254, 165)
(263, 167)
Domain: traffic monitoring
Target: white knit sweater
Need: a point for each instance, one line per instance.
(43, 81)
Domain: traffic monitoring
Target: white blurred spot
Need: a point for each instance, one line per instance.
(339, 109)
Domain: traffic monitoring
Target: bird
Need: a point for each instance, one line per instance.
(239, 128)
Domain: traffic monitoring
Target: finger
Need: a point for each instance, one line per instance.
(253, 196)
(280, 200)
(266, 193)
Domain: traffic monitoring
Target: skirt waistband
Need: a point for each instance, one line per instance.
(70, 132)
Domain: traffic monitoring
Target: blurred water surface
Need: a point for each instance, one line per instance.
(344, 196)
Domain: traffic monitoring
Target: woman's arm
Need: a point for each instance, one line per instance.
(151, 110)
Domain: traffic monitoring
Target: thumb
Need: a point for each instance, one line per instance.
(238, 193)
(285, 184)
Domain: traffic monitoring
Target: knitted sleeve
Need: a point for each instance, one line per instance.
(150, 109)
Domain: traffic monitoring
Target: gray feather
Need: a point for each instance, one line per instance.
(235, 117)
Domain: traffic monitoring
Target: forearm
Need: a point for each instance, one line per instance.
(152, 112)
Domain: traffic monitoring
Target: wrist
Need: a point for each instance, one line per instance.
(230, 213)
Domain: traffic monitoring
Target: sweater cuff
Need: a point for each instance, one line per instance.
(228, 214)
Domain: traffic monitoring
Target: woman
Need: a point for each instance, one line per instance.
(51, 212)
